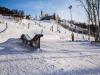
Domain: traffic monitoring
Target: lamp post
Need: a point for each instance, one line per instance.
(70, 7)
(72, 35)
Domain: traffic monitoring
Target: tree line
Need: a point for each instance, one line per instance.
(14, 13)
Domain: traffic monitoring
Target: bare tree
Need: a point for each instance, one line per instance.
(92, 8)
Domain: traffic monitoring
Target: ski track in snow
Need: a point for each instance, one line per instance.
(56, 56)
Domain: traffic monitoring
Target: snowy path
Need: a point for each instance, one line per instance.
(54, 58)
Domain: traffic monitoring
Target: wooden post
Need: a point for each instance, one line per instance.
(39, 43)
(72, 36)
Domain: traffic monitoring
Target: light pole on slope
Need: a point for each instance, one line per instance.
(70, 9)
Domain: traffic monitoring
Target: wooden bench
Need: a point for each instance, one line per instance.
(33, 42)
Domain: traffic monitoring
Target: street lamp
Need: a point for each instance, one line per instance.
(70, 7)
(72, 35)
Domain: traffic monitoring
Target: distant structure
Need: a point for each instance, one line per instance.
(49, 17)
(28, 17)
(41, 13)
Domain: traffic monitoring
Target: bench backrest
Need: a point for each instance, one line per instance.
(36, 37)
(27, 37)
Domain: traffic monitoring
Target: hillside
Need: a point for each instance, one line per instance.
(57, 55)
(15, 29)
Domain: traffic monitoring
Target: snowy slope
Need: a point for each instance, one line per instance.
(15, 29)
(57, 56)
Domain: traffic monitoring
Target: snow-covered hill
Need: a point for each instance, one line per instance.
(48, 28)
(57, 56)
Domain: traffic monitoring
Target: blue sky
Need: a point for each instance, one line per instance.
(60, 7)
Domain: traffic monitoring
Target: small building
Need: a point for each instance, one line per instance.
(48, 17)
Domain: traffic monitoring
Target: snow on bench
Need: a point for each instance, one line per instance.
(32, 41)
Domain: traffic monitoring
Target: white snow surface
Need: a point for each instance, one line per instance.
(57, 56)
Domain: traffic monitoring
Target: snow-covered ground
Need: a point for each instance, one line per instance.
(57, 56)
